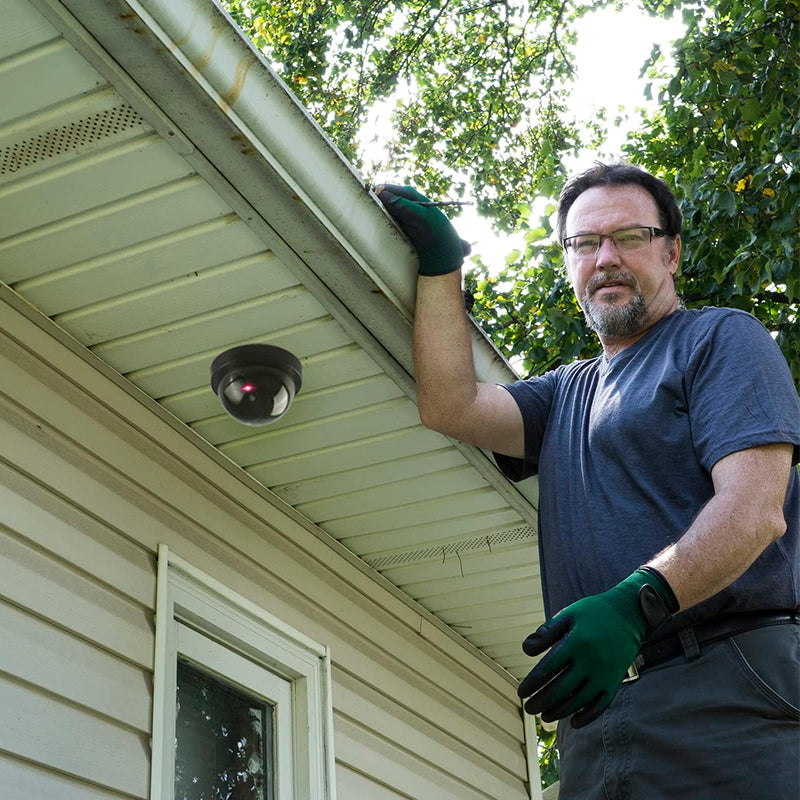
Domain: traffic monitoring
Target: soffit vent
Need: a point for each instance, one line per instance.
(441, 552)
(79, 134)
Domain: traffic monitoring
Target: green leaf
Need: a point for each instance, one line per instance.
(743, 256)
(535, 234)
(751, 109)
(727, 202)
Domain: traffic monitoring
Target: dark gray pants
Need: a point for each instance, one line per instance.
(725, 726)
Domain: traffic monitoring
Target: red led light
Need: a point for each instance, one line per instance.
(248, 387)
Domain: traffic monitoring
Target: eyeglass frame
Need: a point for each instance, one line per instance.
(652, 230)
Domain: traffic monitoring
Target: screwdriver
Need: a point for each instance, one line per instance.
(441, 203)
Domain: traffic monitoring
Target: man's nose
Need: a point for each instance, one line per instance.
(607, 254)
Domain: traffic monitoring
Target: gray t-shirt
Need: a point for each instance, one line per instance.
(624, 451)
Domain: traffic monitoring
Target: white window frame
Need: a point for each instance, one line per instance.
(215, 628)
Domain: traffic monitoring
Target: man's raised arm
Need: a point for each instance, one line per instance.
(450, 399)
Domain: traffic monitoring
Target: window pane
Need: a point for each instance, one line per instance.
(223, 741)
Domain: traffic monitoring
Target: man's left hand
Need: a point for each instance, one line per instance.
(593, 642)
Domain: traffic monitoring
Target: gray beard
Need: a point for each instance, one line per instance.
(617, 321)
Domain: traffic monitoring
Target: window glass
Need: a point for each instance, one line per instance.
(223, 740)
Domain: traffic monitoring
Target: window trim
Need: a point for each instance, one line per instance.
(187, 596)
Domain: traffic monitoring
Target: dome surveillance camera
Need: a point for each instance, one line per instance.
(256, 382)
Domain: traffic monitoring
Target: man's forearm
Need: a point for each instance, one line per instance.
(741, 520)
(445, 373)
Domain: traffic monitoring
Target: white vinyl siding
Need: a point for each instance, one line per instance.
(91, 481)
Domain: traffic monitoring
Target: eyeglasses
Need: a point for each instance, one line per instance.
(585, 245)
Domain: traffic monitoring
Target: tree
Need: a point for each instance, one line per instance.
(477, 90)
(477, 87)
(734, 166)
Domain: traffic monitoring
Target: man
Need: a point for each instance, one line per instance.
(669, 505)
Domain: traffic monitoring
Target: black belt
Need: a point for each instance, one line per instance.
(689, 639)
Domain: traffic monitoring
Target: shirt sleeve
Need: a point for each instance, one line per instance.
(740, 391)
(534, 398)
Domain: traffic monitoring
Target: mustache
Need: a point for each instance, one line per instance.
(617, 278)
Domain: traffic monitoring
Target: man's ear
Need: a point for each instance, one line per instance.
(674, 256)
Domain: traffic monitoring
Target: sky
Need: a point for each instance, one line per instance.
(612, 46)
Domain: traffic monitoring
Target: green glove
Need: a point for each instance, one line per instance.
(593, 642)
(440, 248)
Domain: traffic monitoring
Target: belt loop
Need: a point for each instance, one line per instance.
(689, 643)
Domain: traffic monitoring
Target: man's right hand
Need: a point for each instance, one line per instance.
(440, 248)
(449, 398)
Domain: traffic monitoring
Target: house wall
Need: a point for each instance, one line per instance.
(92, 479)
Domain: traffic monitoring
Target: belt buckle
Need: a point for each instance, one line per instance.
(632, 674)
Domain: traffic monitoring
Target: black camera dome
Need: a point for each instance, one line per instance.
(256, 383)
